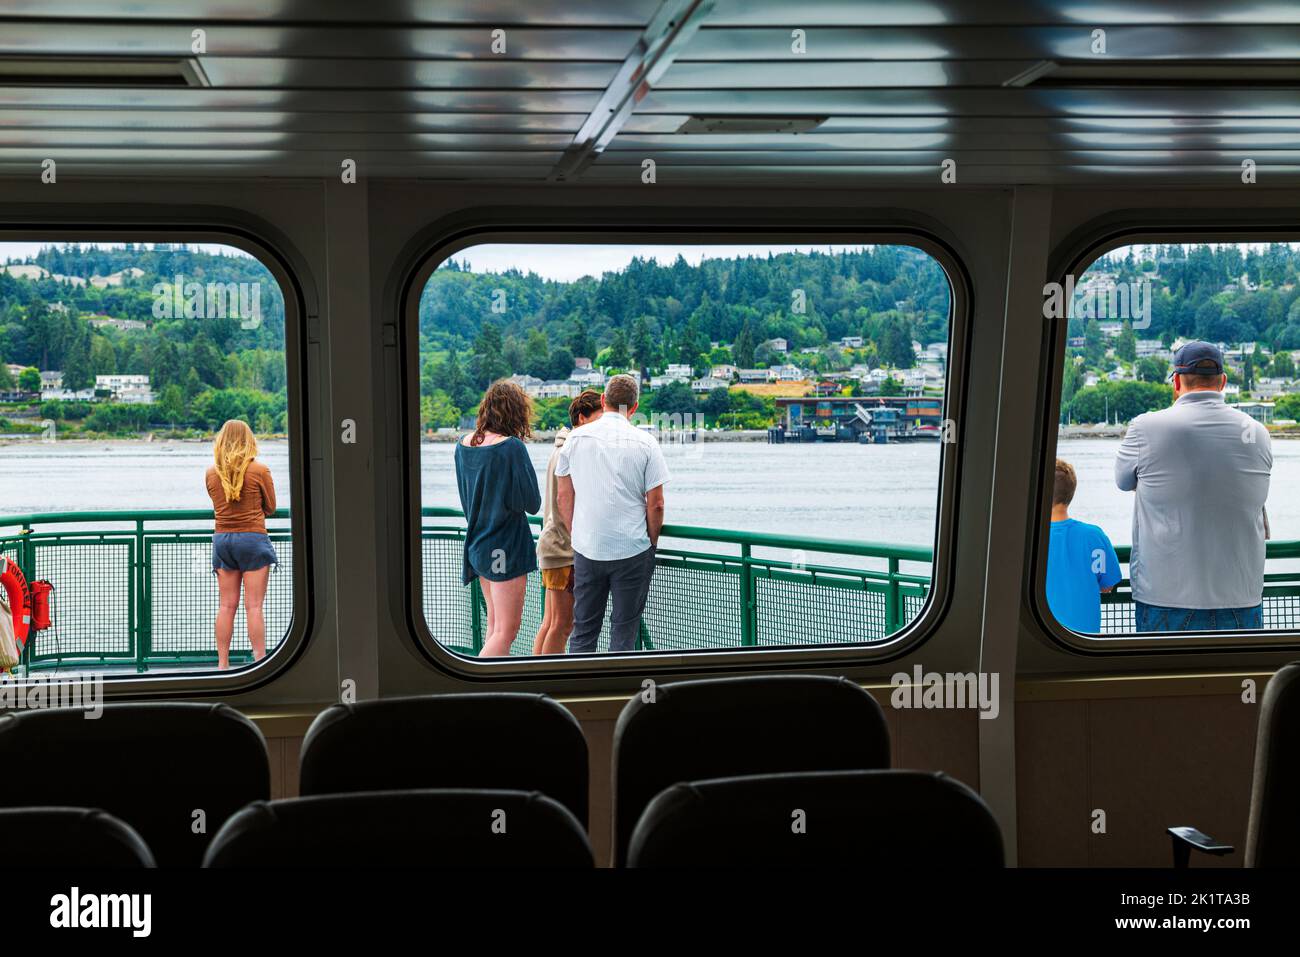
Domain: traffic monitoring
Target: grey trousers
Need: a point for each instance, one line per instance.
(628, 580)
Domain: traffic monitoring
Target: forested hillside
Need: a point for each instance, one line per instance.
(649, 315)
(202, 369)
(1227, 294)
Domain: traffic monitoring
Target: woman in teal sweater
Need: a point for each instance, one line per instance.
(498, 487)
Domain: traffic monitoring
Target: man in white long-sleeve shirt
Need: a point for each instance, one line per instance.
(1201, 472)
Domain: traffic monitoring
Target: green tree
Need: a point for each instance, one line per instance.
(580, 342)
(618, 356)
(487, 364)
(1151, 369)
(171, 404)
(675, 398)
(1126, 345)
(742, 350)
(437, 411)
(642, 344)
(1283, 365)
(29, 380)
(1094, 344)
(1287, 406)
(537, 354)
(6, 377)
(716, 402)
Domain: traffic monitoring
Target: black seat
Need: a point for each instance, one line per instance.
(458, 828)
(174, 772)
(1273, 829)
(71, 837)
(525, 742)
(698, 730)
(876, 819)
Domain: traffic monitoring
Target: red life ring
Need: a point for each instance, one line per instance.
(19, 596)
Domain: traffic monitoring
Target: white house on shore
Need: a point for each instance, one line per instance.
(125, 388)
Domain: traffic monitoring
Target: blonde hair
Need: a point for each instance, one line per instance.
(234, 449)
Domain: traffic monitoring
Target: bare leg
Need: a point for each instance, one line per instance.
(228, 603)
(548, 619)
(507, 605)
(486, 587)
(561, 623)
(255, 583)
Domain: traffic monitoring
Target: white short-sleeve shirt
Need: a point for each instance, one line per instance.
(612, 465)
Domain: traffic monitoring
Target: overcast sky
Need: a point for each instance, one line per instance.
(16, 252)
(573, 261)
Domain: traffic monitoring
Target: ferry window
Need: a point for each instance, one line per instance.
(673, 448)
(1173, 505)
(144, 457)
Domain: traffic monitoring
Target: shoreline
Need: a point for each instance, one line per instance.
(539, 437)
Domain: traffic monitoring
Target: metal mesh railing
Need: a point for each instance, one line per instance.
(134, 589)
(702, 600)
(137, 589)
(182, 594)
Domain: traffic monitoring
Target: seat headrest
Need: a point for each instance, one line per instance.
(459, 828)
(824, 818)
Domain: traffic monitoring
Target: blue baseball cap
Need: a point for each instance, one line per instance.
(1198, 358)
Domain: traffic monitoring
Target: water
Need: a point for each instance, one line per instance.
(877, 493)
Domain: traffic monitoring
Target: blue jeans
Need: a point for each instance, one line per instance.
(1159, 618)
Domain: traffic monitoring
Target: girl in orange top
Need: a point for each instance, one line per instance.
(243, 497)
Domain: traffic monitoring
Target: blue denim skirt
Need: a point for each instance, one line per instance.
(242, 551)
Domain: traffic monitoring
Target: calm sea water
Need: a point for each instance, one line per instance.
(884, 493)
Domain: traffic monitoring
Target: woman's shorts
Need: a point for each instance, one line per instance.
(558, 579)
(242, 551)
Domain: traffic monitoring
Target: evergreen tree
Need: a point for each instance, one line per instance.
(618, 356)
(642, 344)
(742, 350)
(580, 342)
(1126, 345)
(78, 370)
(487, 364)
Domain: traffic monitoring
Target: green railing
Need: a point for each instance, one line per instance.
(1281, 604)
(136, 589)
(712, 588)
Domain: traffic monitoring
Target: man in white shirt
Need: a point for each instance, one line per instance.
(1201, 472)
(611, 496)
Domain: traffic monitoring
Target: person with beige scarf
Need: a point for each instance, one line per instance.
(554, 547)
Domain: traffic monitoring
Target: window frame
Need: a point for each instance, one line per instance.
(288, 269)
(1075, 257)
(444, 240)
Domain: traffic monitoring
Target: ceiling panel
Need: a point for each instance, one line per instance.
(586, 89)
(618, 13)
(265, 39)
(1003, 42)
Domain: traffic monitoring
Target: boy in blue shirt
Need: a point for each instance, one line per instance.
(1081, 562)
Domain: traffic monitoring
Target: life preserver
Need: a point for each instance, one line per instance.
(19, 595)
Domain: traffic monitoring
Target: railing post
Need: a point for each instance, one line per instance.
(141, 586)
(748, 604)
(893, 601)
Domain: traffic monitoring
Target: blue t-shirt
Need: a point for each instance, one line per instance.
(1080, 562)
